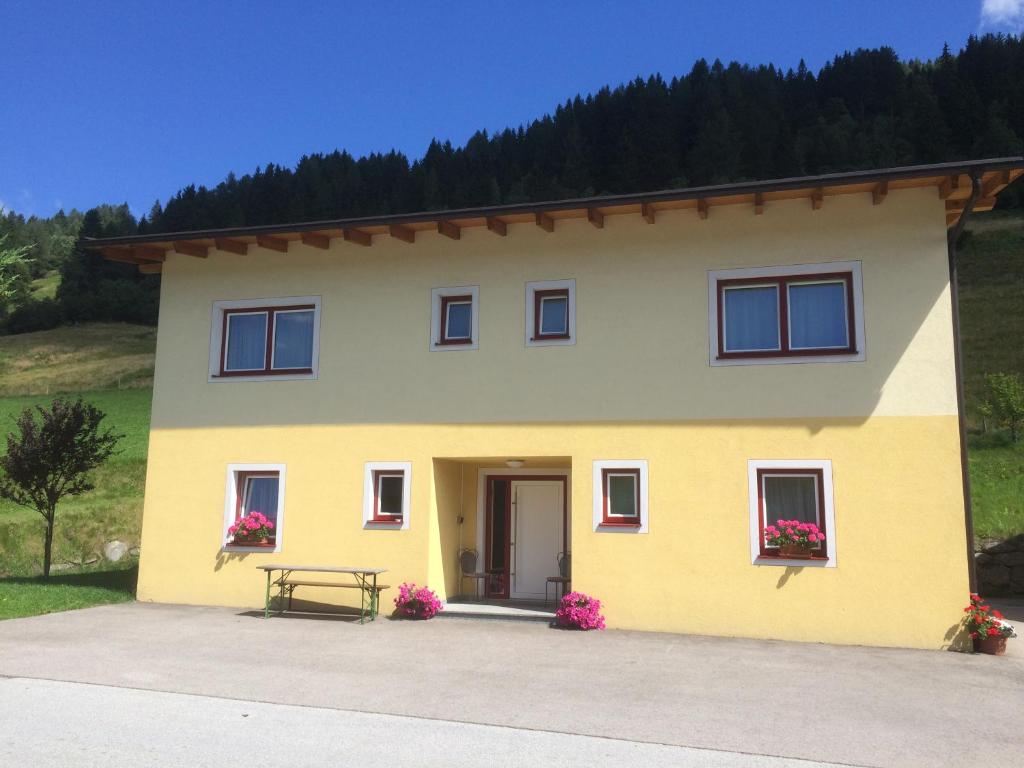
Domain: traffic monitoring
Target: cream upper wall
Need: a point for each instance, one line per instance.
(641, 316)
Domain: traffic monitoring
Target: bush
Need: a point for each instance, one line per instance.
(417, 602)
(35, 315)
(579, 611)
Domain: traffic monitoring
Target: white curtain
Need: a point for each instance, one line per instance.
(247, 342)
(751, 318)
(261, 496)
(790, 498)
(293, 339)
(817, 316)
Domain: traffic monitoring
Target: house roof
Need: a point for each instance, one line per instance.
(952, 180)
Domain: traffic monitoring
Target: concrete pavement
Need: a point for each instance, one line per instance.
(127, 728)
(851, 705)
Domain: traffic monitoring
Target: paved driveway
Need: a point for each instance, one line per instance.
(569, 693)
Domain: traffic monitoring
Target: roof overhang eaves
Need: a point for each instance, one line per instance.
(937, 171)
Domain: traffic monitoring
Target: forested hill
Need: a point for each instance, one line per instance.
(718, 123)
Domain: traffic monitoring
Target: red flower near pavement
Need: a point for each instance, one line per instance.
(982, 621)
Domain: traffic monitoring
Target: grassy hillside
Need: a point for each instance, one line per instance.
(77, 358)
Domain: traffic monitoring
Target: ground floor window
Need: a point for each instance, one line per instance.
(386, 494)
(795, 491)
(620, 495)
(254, 506)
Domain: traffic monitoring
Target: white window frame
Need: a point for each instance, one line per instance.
(828, 513)
(436, 321)
(853, 267)
(231, 505)
(531, 320)
(369, 493)
(598, 490)
(217, 346)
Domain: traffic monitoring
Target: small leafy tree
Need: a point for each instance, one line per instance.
(50, 458)
(1005, 403)
(14, 272)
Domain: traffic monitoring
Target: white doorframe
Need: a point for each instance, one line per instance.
(481, 501)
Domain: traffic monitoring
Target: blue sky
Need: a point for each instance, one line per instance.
(130, 101)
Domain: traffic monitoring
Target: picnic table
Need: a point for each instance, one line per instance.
(364, 579)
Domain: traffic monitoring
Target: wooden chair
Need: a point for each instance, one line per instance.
(467, 564)
(563, 579)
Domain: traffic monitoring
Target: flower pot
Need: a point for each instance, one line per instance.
(994, 646)
(794, 552)
(260, 542)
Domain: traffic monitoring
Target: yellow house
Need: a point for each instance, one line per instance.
(643, 382)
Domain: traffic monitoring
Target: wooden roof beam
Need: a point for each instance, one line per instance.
(142, 253)
(497, 226)
(994, 183)
(357, 236)
(123, 255)
(231, 246)
(595, 217)
(758, 204)
(817, 199)
(545, 222)
(152, 268)
(316, 240)
(404, 234)
(448, 229)
(648, 212)
(278, 244)
(191, 249)
(949, 185)
(702, 208)
(879, 192)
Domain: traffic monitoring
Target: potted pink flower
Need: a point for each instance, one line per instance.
(579, 611)
(252, 530)
(417, 602)
(794, 539)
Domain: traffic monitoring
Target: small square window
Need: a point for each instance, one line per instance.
(388, 503)
(386, 495)
(551, 313)
(620, 496)
(253, 508)
(454, 318)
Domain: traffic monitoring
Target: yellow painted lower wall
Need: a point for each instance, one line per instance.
(900, 580)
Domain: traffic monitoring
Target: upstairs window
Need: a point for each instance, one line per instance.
(788, 312)
(551, 313)
(454, 321)
(257, 339)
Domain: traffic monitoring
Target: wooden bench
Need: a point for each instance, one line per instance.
(289, 586)
(364, 579)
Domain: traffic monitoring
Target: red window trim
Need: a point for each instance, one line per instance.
(821, 551)
(538, 299)
(241, 478)
(782, 283)
(386, 518)
(607, 518)
(445, 301)
(268, 355)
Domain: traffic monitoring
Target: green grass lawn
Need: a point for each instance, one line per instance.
(997, 486)
(29, 596)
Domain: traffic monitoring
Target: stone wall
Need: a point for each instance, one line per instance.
(1001, 567)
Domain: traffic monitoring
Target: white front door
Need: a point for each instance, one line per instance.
(537, 533)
